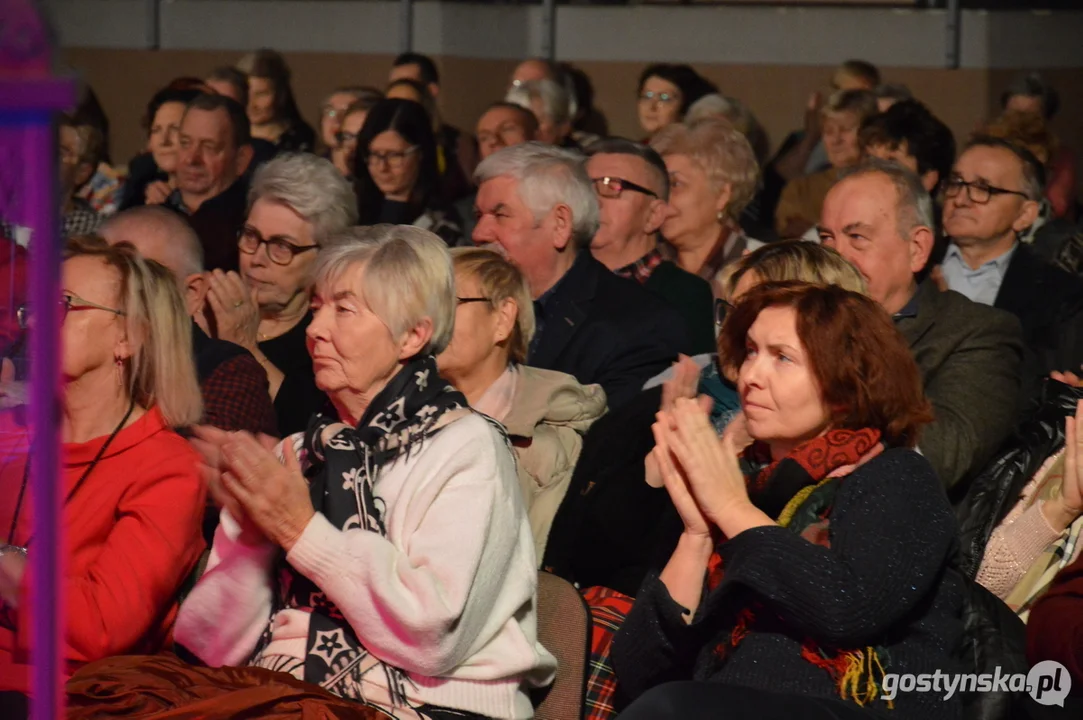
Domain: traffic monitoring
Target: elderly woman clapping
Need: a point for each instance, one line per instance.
(407, 575)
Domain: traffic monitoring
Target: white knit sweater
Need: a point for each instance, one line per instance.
(449, 595)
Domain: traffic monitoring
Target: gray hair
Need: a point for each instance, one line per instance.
(547, 176)
(311, 187)
(159, 234)
(913, 205)
(408, 276)
(555, 100)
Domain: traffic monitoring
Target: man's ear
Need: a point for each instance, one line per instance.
(656, 216)
(244, 158)
(1028, 214)
(195, 292)
(929, 181)
(434, 90)
(921, 247)
(562, 225)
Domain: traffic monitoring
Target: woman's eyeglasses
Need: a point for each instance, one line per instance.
(394, 159)
(344, 137)
(468, 300)
(612, 187)
(68, 302)
(722, 308)
(279, 250)
(651, 97)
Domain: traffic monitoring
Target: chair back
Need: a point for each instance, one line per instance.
(564, 630)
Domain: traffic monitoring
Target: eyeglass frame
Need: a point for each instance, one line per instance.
(650, 96)
(342, 137)
(67, 301)
(607, 180)
(386, 157)
(722, 308)
(993, 190)
(468, 300)
(277, 240)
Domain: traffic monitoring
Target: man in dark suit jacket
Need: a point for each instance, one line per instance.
(880, 218)
(994, 194)
(535, 204)
(632, 185)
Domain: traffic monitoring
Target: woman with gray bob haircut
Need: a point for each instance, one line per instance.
(296, 202)
(547, 176)
(408, 577)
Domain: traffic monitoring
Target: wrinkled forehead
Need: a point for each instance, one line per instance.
(868, 200)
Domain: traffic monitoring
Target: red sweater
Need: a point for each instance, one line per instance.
(132, 533)
(1055, 624)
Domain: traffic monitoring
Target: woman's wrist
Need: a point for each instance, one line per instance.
(701, 544)
(1058, 514)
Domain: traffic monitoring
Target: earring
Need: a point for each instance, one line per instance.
(721, 216)
(119, 365)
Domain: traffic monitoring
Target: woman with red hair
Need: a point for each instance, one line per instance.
(808, 588)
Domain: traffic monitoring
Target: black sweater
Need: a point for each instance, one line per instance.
(885, 582)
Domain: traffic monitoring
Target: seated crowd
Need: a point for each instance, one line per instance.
(337, 401)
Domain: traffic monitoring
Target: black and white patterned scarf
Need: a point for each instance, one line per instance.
(342, 464)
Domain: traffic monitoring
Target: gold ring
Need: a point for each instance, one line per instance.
(238, 304)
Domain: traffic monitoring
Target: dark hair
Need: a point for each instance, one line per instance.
(90, 112)
(181, 90)
(1032, 85)
(893, 91)
(1033, 171)
(927, 138)
(866, 375)
(426, 99)
(409, 120)
(270, 65)
(238, 118)
(234, 77)
(530, 120)
(621, 146)
(692, 85)
(862, 69)
(425, 65)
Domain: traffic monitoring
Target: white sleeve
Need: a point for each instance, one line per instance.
(227, 611)
(422, 602)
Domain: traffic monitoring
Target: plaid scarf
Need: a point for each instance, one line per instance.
(799, 491)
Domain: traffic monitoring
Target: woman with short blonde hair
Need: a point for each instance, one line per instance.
(133, 498)
(713, 177)
(546, 413)
(790, 260)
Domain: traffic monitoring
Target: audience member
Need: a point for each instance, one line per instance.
(230, 82)
(991, 197)
(333, 110)
(545, 412)
(152, 175)
(551, 105)
(133, 497)
(712, 178)
(297, 201)
(232, 382)
(738, 114)
(422, 562)
(888, 94)
(841, 549)
(588, 124)
(535, 202)
(396, 173)
(505, 124)
(456, 151)
(1031, 95)
(78, 149)
(632, 185)
(910, 135)
(344, 154)
(880, 218)
(665, 93)
(801, 201)
(533, 69)
(272, 110)
(102, 188)
(215, 153)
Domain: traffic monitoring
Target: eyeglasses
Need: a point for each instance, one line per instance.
(652, 97)
(612, 187)
(722, 308)
(468, 300)
(979, 192)
(394, 159)
(69, 302)
(344, 137)
(279, 250)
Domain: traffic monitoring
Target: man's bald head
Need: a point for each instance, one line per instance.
(159, 234)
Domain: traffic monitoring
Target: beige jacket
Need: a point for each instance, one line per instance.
(550, 412)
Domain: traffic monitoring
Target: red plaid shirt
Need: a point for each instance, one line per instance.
(641, 269)
(608, 608)
(236, 396)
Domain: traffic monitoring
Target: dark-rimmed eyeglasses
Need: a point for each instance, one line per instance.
(722, 308)
(612, 187)
(279, 250)
(468, 300)
(68, 302)
(394, 159)
(979, 192)
(342, 137)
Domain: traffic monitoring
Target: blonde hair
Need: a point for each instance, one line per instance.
(161, 371)
(793, 260)
(721, 150)
(499, 281)
(407, 277)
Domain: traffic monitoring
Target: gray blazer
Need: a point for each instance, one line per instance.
(970, 357)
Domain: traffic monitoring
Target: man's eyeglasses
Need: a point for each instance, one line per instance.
(979, 192)
(394, 159)
(280, 251)
(68, 302)
(651, 97)
(612, 187)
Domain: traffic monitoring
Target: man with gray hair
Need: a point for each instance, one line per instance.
(536, 206)
(234, 385)
(880, 218)
(551, 105)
